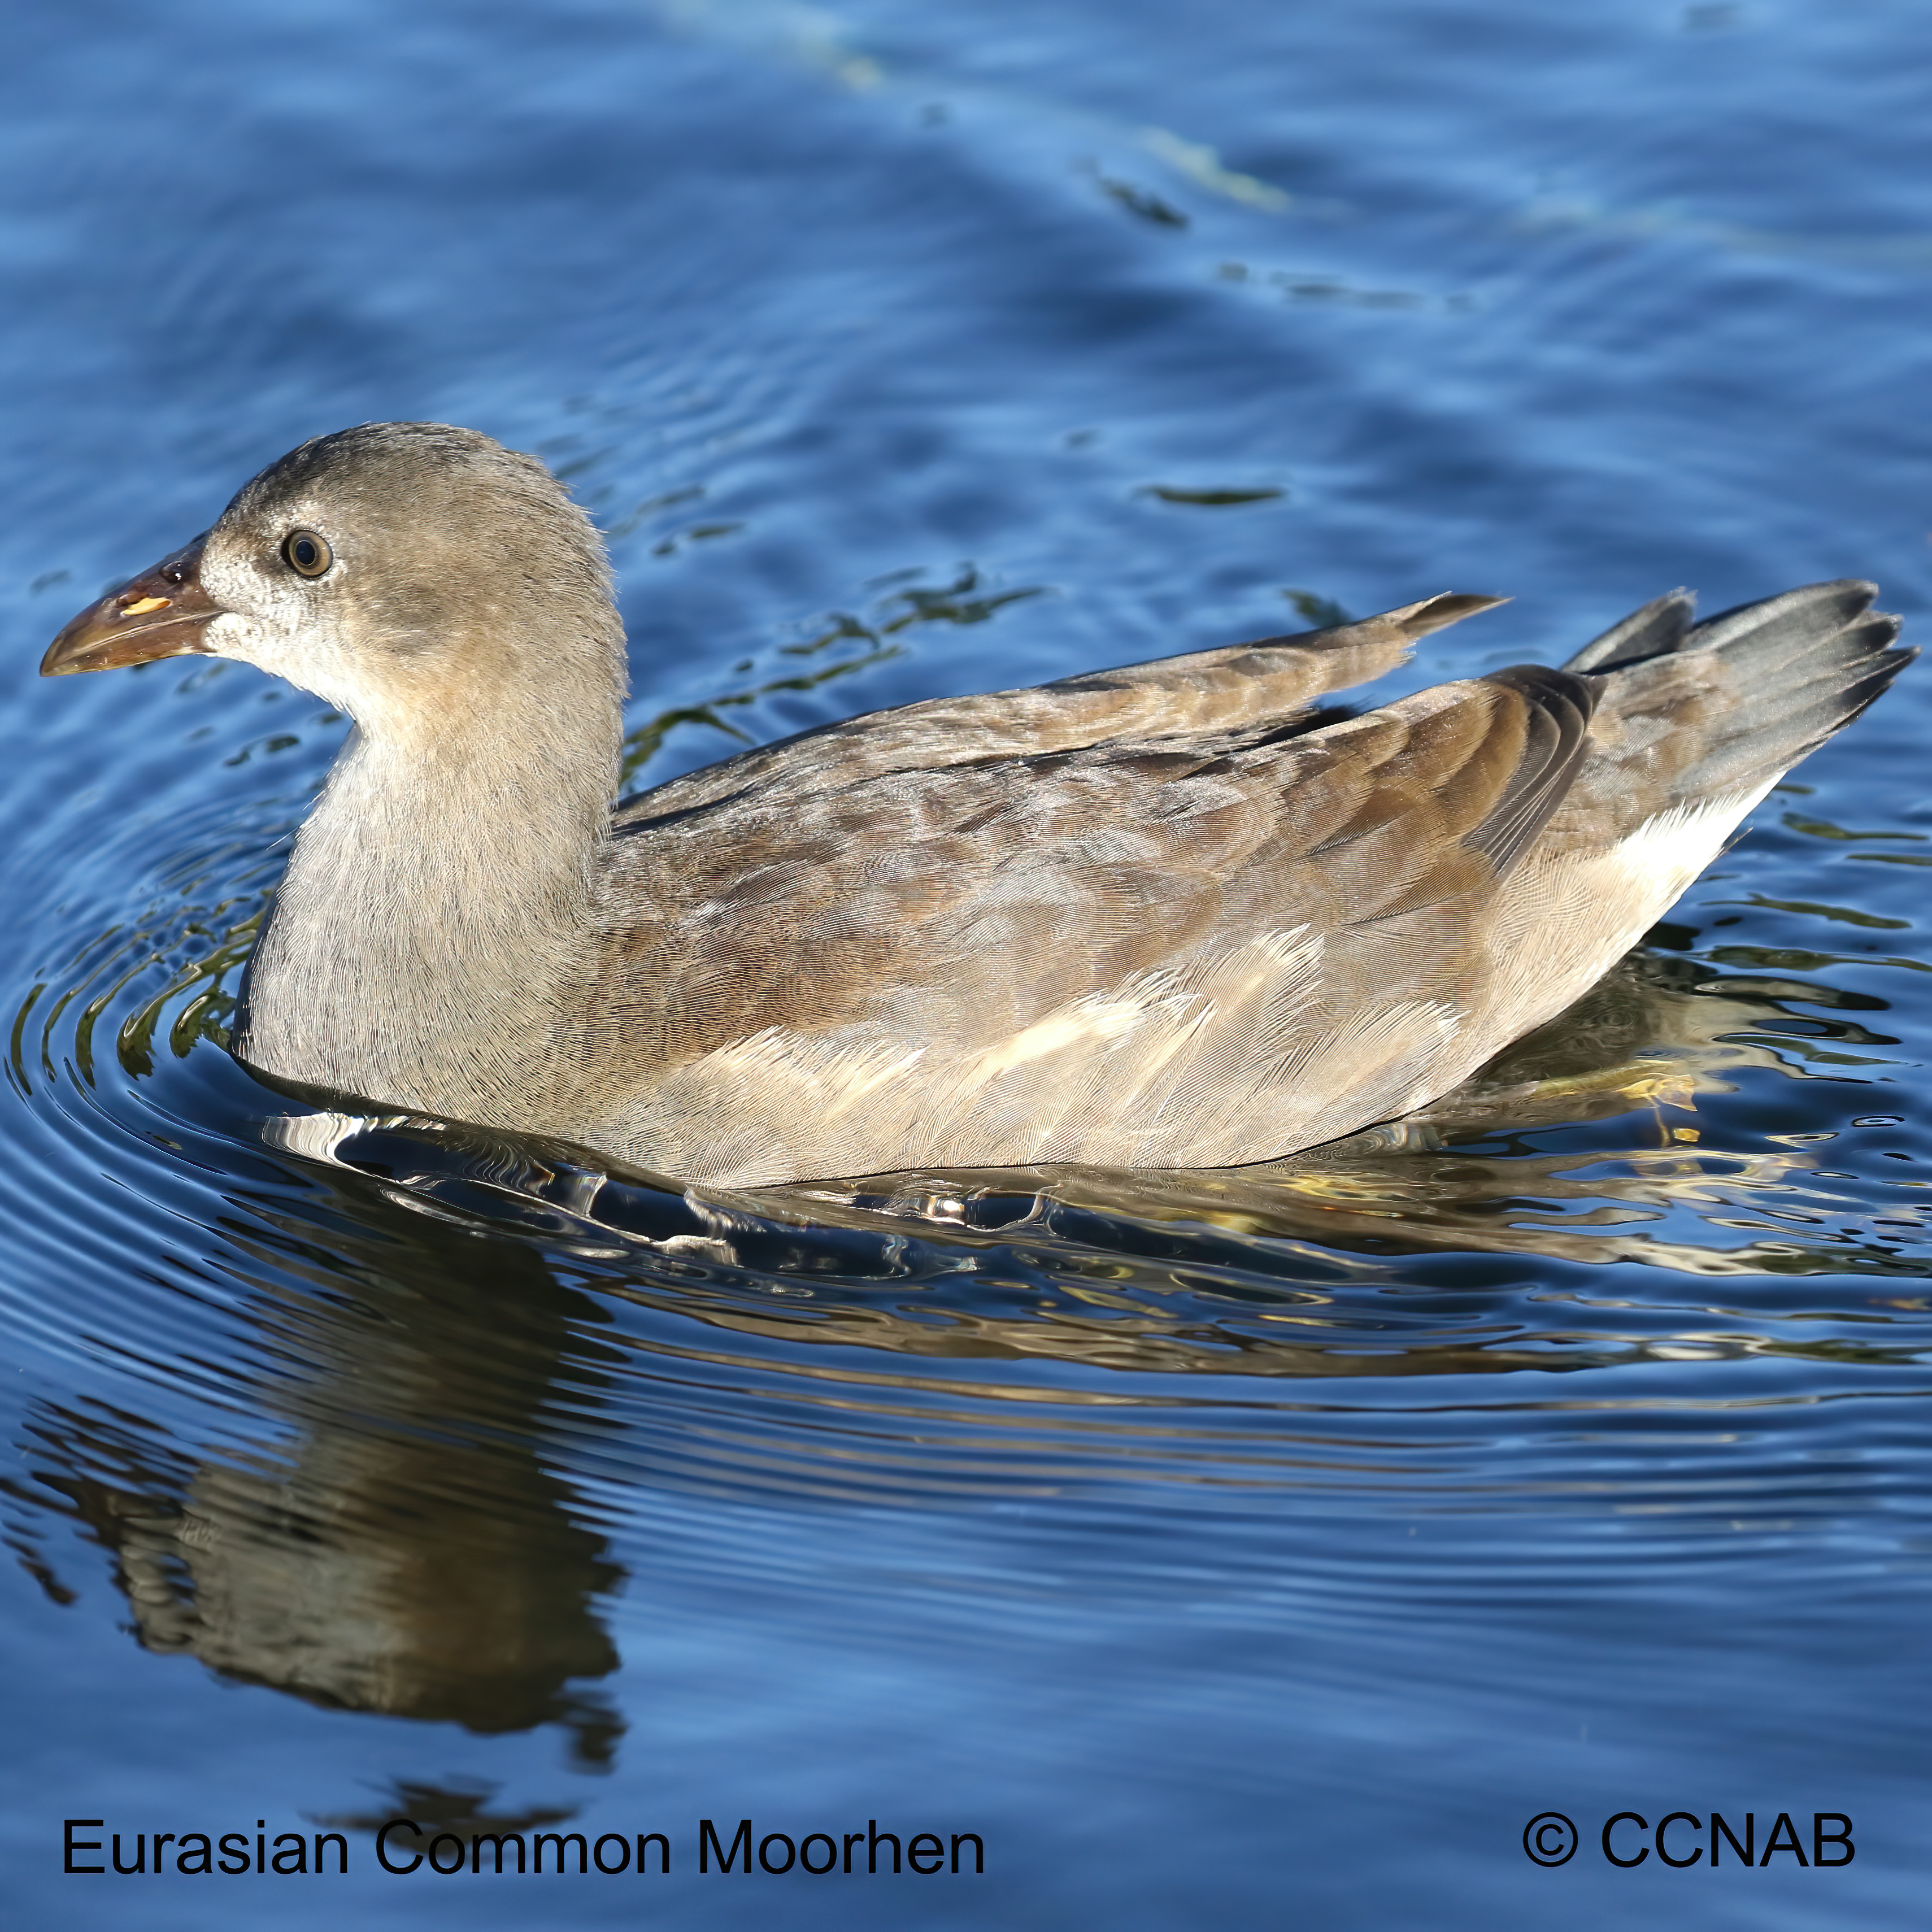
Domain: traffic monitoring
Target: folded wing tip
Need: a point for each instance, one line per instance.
(1435, 614)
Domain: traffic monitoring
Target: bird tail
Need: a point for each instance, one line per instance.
(1692, 711)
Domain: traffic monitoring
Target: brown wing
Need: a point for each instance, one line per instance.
(1187, 947)
(1242, 685)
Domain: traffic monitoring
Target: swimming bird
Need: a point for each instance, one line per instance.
(1176, 915)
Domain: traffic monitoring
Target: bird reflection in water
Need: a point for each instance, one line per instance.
(402, 1548)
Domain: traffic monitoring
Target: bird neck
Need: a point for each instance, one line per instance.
(435, 917)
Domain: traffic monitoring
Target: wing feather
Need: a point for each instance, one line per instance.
(1176, 939)
(1272, 680)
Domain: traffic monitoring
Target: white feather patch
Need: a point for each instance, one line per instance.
(1667, 852)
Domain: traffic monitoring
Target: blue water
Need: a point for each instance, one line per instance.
(1266, 1548)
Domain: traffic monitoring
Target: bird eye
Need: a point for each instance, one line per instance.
(308, 554)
